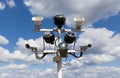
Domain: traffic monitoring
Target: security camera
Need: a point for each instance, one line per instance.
(84, 48)
(29, 47)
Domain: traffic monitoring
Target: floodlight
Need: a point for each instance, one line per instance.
(79, 22)
(59, 20)
(37, 21)
(69, 37)
(63, 49)
(49, 37)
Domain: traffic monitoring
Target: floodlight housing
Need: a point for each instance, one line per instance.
(63, 49)
(69, 37)
(59, 20)
(79, 22)
(37, 21)
(49, 37)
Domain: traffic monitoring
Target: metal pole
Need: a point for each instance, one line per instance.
(59, 68)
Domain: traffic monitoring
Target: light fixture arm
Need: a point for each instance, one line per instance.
(34, 49)
(38, 57)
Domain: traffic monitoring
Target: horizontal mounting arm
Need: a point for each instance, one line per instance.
(55, 51)
(56, 29)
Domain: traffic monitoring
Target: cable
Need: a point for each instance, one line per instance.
(81, 53)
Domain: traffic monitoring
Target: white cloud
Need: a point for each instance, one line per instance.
(14, 67)
(6, 56)
(106, 45)
(92, 10)
(93, 72)
(11, 3)
(3, 40)
(23, 71)
(97, 59)
(2, 6)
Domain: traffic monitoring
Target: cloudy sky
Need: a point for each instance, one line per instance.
(101, 26)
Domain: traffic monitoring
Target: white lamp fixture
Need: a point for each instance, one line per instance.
(37, 21)
(79, 22)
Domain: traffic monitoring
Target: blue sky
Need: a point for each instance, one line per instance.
(102, 29)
